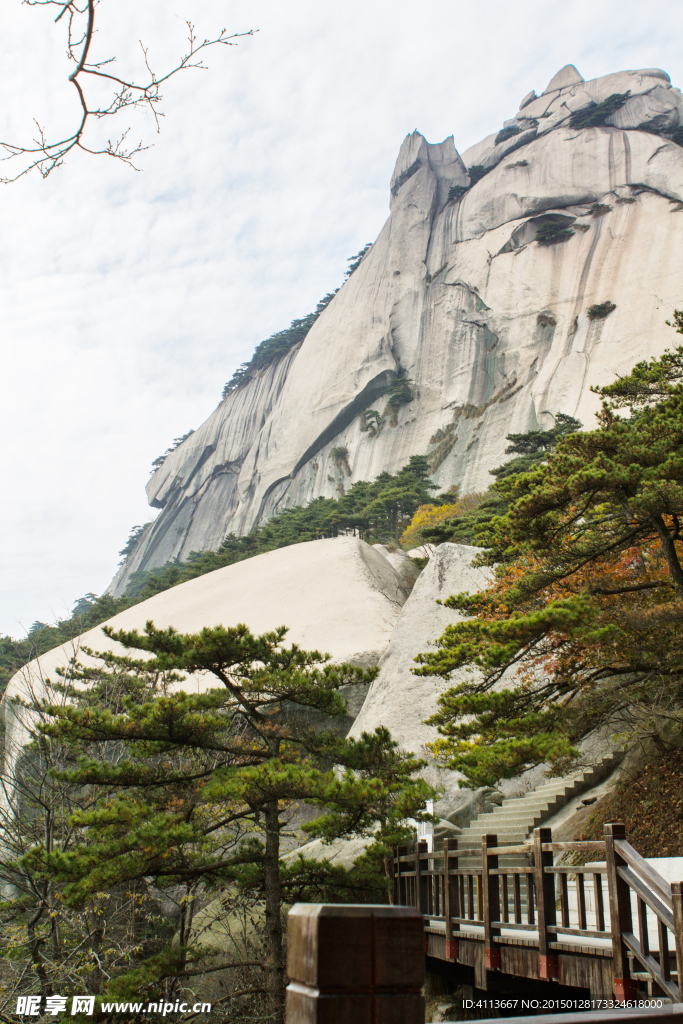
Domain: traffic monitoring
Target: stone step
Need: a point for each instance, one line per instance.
(527, 812)
(515, 818)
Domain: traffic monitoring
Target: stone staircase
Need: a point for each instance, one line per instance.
(515, 818)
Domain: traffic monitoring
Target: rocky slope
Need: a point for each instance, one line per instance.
(492, 327)
(341, 597)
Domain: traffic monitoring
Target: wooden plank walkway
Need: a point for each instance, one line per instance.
(615, 929)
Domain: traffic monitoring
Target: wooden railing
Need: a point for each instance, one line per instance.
(563, 908)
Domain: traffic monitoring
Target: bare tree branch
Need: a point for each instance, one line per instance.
(45, 155)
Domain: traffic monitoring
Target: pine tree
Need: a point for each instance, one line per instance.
(582, 624)
(202, 784)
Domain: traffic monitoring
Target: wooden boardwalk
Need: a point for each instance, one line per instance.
(613, 929)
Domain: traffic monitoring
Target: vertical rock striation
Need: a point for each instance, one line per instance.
(490, 325)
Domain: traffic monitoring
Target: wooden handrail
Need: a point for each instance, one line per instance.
(646, 895)
(651, 965)
(474, 904)
(575, 869)
(634, 860)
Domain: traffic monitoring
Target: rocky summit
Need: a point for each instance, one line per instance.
(506, 281)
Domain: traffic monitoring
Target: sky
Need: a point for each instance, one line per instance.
(128, 297)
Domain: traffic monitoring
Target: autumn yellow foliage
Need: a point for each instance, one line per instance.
(430, 515)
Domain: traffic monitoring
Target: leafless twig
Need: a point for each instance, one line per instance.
(45, 155)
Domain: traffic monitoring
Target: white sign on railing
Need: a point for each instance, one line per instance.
(425, 829)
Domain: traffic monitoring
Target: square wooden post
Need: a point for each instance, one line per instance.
(421, 880)
(491, 901)
(451, 897)
(548, 963)
(677, 900)
(625, 987)
(355, 965)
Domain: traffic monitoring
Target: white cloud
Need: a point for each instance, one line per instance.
(128, 299)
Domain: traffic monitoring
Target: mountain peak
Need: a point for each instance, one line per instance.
(568, 75)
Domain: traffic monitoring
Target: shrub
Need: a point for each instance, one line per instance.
(340, 457)
(476, 173)
(160, 459)
(135, 535)
(506, 133)
(431, 516)
(456, 192)
(371, 421)
(399, 391)
(550, 232)
(597, 113)
(546, 320)
(601, 310)
(599, 209)
(355, 261)
(275, 346)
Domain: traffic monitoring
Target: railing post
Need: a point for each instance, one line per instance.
(421, 880)
(491, 900)
(354, 963)
(677, 900)
(548, 963)
(396, 880)
(625, 988)
(451, 897)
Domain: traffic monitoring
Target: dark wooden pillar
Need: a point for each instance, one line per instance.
(451, 898)
(491, 902)
(677, 901)
(355, 965)
(548, 964)
(625, 988)
(421, 879)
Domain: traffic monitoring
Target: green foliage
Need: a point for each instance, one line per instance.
(649, 381)
(89, 611)
(531, 449)
(588, 608)
(197, 789)
(160, 459)
(371, 421)
(355, 261)
(456, 192)
(476, 173)
(276, 346)
(507, 133)
(597, 113)
(376, 510)
(600, 310)
(399, 391)
(550, 232)
(135, 535)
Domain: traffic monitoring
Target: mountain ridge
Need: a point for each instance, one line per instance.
(491, 325)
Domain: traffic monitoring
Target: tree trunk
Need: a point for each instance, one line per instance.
(96, 933)
(34, 944)
(275, 971)
(670, 553)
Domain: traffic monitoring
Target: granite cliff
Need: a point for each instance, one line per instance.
(495, 330)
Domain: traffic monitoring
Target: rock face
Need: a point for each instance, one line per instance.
(492, 327)
(337, 596)
(400, 700)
